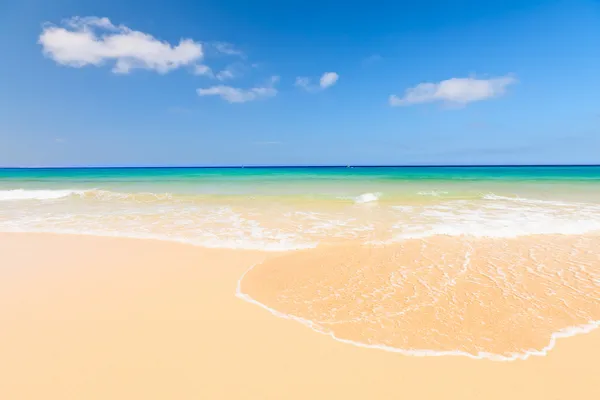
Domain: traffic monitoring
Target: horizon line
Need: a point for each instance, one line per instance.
(267, 166)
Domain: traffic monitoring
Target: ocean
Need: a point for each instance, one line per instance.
(288, 208)
(487, 262)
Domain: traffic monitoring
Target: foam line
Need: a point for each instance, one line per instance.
(22, 194)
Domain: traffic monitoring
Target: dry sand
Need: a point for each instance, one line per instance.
(104, 318)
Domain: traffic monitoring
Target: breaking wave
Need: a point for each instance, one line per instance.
(276, 224)
(22, 194)
(367, 198)
(97, 194)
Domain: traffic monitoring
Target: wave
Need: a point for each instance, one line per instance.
(281, 226)
(100, 194)
(494, 216)
(38, 194)
(96, 194)
(367, 198)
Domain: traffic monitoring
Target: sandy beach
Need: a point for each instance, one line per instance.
(109, 318)
(324, 200)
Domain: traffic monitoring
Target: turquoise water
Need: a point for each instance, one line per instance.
(285, 208)
(311, 180)
(535, 173)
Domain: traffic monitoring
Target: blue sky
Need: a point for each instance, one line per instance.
(429, 82)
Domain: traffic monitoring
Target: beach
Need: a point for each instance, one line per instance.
(97, 318)
(421, 282)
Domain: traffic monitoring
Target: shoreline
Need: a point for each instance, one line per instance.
(152, 319)
(564, 333)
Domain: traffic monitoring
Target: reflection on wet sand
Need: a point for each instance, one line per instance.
(500, 298)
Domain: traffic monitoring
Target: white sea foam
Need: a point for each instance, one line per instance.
(434, 193)
(190, 219)
(497, 216)
(492, 196)
(22, 194)
(562, 333)
(196, 224)
(96, 194)
(367, 198)
(140, 197)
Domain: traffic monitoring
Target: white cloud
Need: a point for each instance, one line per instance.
(232, 71)
(327, 79)
(228, 49)
(304, 83)
(95, 41)
(205, 70)
(456, 90)
(237, 95)
(235, 70)
(225, 74)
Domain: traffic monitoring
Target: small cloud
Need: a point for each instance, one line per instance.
(225, 74)
(59, 140)
(304, 83)
(204, 70)
(95, 41)
(457, 91)
(228, 49)
(232, 71)
(237, 95)
(328, 79)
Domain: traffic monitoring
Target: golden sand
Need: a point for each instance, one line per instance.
(103, 318)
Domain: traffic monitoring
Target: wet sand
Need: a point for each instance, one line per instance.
(106, 318)
(496, 298)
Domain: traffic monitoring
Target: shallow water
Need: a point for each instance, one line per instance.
(290, 208)
(497, 298)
